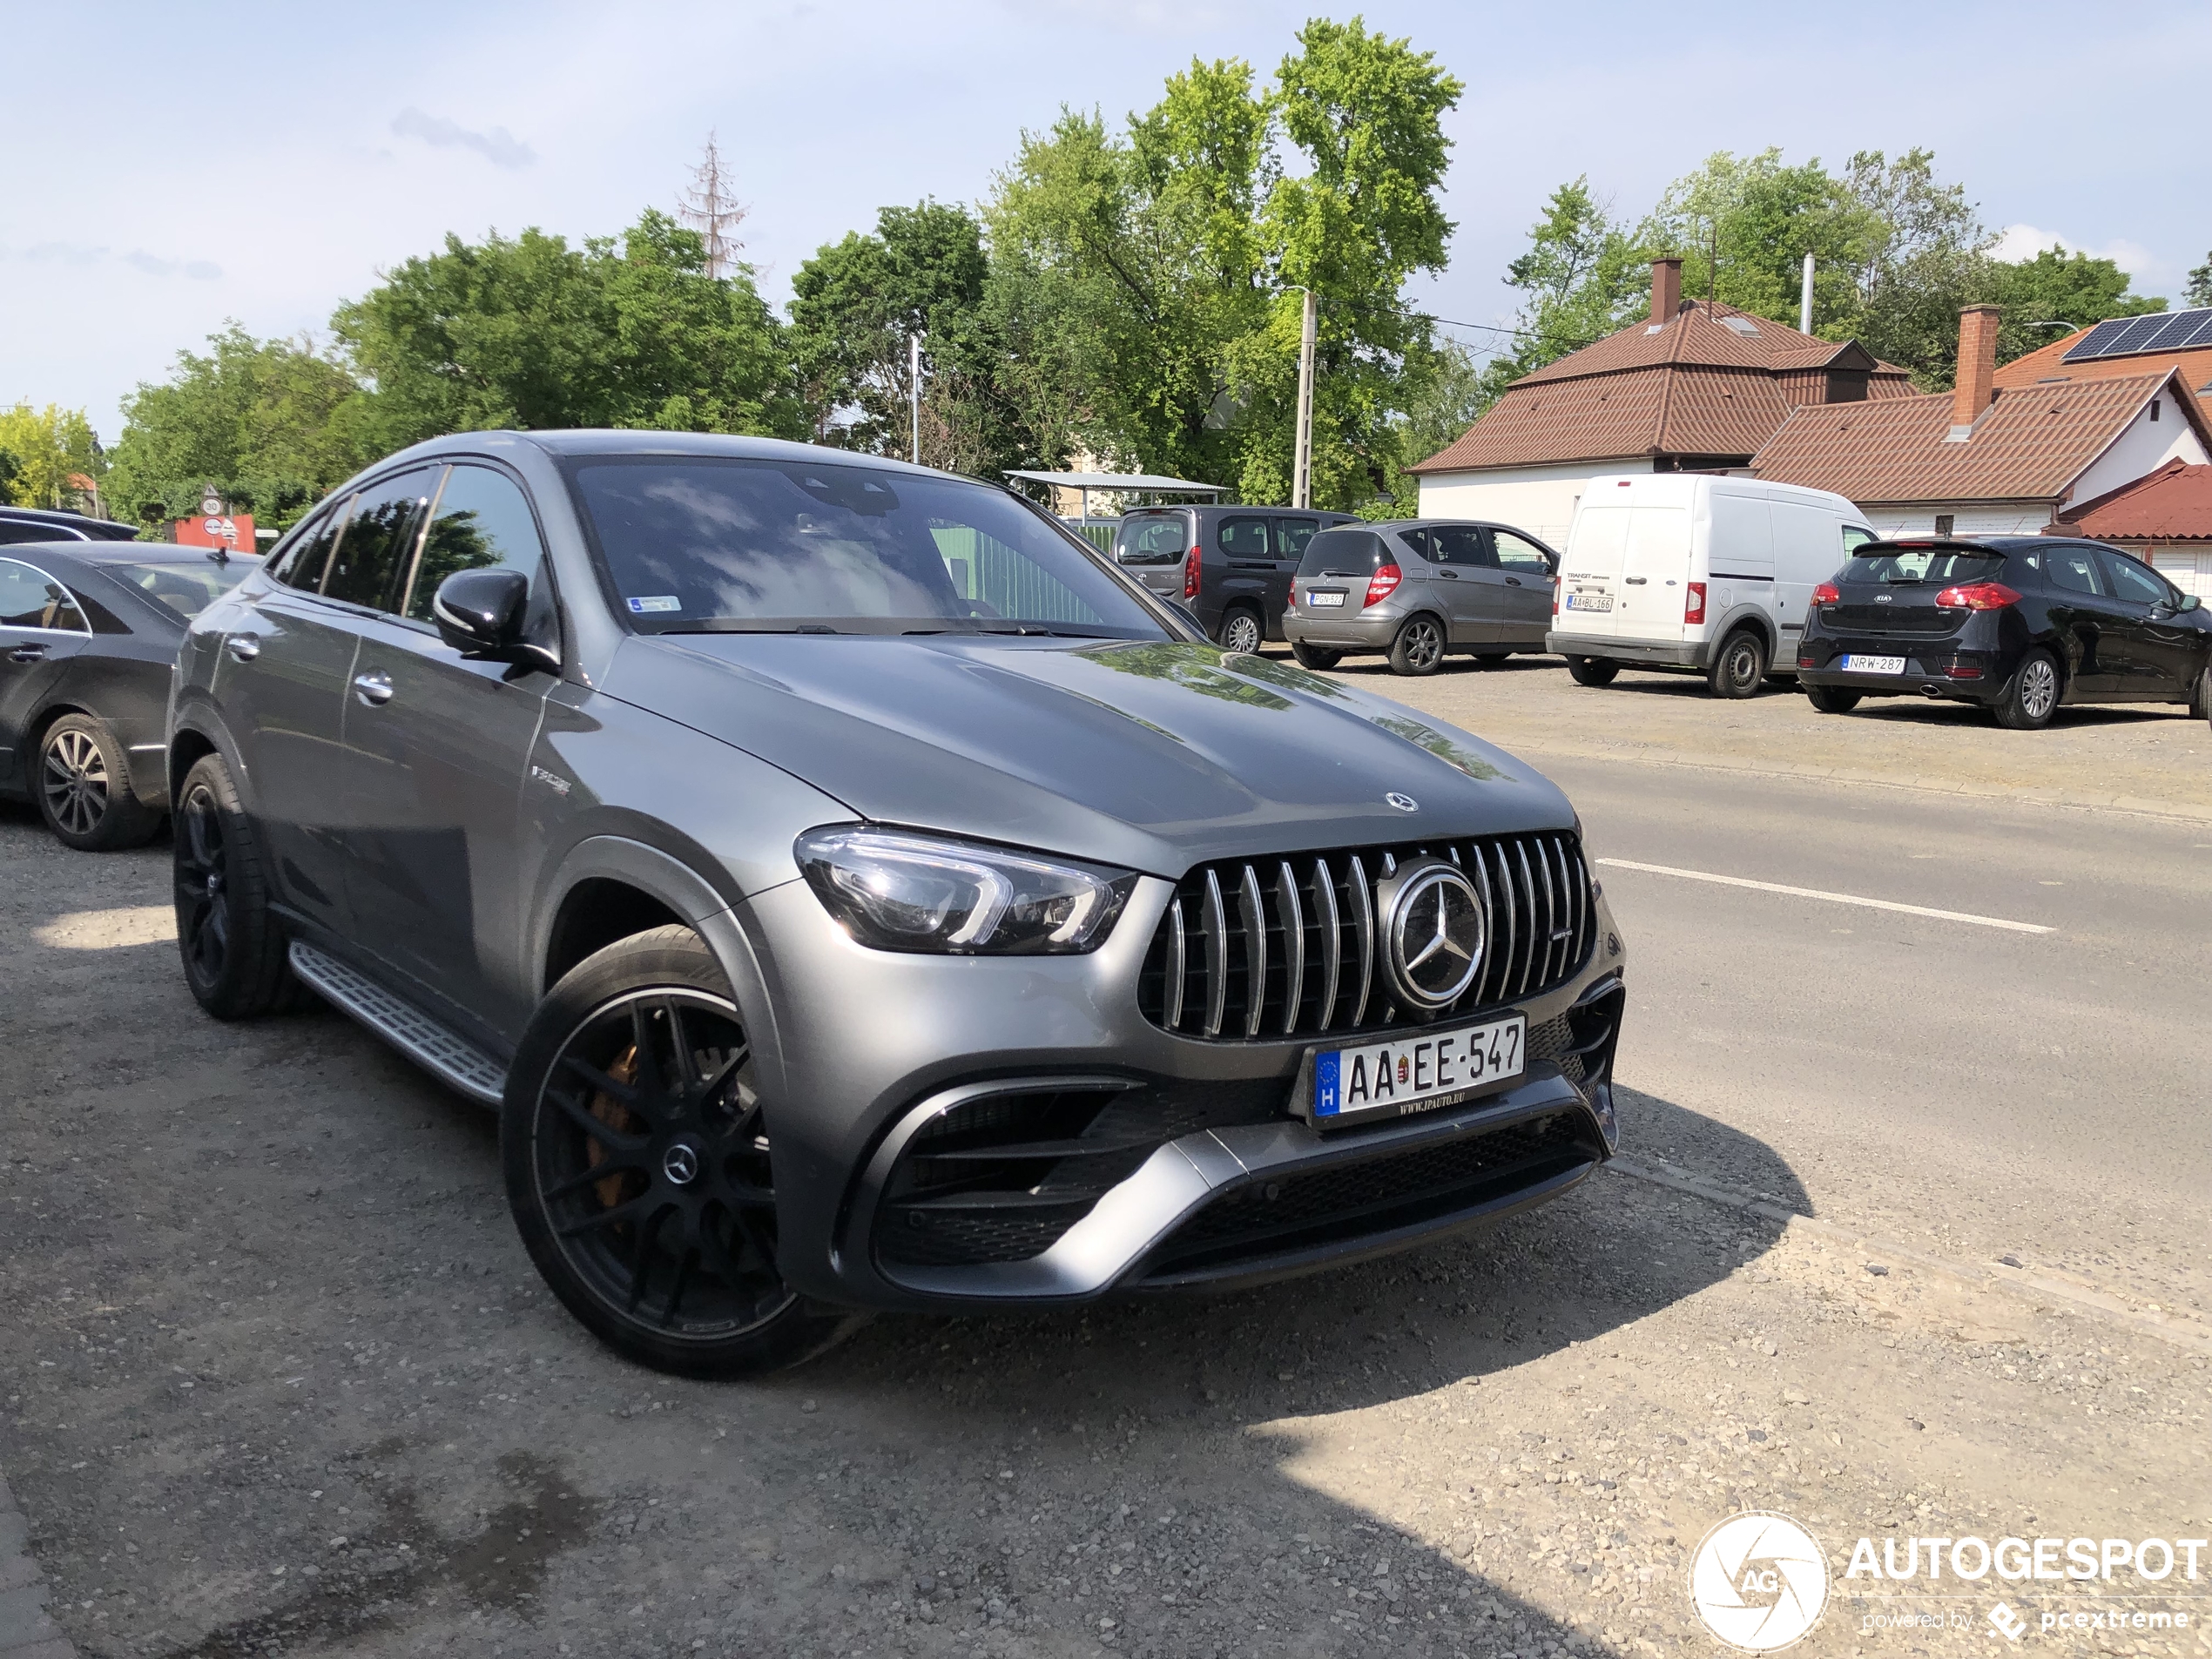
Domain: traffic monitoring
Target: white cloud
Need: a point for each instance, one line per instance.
(2024, 242)
(138, 258)
(498, 146)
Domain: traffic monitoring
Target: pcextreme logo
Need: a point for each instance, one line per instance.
(1759, 1582)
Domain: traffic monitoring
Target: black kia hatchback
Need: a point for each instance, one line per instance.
(2016, 624)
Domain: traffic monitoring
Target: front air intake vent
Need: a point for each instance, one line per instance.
(1270, 947)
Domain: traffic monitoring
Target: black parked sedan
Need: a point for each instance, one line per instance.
(2016, 624)
(89, 631)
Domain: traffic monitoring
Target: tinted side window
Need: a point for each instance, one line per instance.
(30, 598)
(2134, 584)
(483, 520)
(303, 561)
(1244, 538)
(2073, 569)
(1520, 555)
(1458, 544)
(1292, 534)
(1335, 552)
(370, 561)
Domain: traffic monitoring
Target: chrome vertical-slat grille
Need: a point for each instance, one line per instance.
(1285, 948)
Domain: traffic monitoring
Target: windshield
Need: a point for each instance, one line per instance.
(1875, 562)
(185, 589)
(714, 545)
(1152, 538)
(1345, 553)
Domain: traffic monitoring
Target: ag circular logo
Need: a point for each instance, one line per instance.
(1432, 932)
(1759, 1582)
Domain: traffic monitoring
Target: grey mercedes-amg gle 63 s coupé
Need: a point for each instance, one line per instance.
(853, 892)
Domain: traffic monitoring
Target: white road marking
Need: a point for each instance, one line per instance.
(1832, 898)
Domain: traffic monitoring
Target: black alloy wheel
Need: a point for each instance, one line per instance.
(1418, 647)
(84, 788)
(233, 948)
(2032, 696)
(639, 1170)
(1592, 671)
(1832, 699)
(1741, 666)
(1314, 656)
(1241, 631)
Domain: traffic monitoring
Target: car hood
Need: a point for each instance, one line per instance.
(1149, 755)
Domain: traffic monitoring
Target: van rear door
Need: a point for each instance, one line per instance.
(1590, 571)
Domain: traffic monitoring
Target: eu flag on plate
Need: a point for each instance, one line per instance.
(1327, 1097)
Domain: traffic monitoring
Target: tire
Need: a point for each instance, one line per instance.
(1418, 647)
(1242, 630)
(1740, 668)
(1832, 699)
(1592, 671)
(232, 947)
(2200, 697)
(2031, 695)
(636, 1064)
(1314, 658)
(82, 780)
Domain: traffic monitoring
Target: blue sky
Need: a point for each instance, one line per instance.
(192, 163)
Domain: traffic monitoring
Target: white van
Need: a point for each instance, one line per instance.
(1690, 570)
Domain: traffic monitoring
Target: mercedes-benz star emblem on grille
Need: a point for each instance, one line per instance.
(1432, 932)
(1403, 803)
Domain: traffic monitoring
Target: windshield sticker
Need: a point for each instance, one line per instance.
(657, 602)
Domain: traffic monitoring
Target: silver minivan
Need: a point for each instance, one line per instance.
(1419, 589)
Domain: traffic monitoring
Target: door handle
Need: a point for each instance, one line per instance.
(1637, 580)
(374, 688)
(29, 653)
(1512, 581)
(244, 647)
(1449, 575)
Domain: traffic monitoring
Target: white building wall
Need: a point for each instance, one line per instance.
(2189, 569)
(2143, 446)
(1968, 518)
(1540, 499)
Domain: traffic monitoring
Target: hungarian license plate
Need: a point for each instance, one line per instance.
(1415, 1073)
(1857, 663)
(1590, 601)
(1324, 601)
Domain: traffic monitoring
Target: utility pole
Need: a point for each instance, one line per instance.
(914, 396)
(709, 208)
(1302, 467)
(1804, 298)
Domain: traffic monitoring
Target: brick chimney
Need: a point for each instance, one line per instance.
(1666, 289)
(1975, 388)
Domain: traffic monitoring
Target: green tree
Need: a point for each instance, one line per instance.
(2054, 285)
(273, 424)
(1582, 277)
(1763, 217)
(2198, 291)
(41, 451)
(532, 332)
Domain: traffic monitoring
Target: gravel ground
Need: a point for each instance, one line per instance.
(277, 1379)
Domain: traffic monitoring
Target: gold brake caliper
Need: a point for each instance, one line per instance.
(617, 1118)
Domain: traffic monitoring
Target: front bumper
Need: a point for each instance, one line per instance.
(864, 1052)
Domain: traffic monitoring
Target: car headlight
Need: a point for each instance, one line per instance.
(903, 892)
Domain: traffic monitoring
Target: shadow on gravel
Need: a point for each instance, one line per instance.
(279, 1378)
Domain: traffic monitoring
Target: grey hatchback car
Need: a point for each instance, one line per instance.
(1419, 589)
(853, 892)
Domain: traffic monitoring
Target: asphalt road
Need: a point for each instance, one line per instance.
(275, 1376)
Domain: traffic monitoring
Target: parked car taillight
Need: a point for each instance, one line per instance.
(1827, 594)
(1693, 604)
(1382, 584)
(1190, 572)
(1977, 596)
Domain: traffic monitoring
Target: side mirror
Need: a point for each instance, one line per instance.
(480, 614)
(2190, 602)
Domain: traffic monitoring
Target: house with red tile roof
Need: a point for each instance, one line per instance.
(2181, 340)
(1982, 460)
(1694, 386)
(2163, 518)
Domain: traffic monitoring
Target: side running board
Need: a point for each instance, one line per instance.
(458, 1065)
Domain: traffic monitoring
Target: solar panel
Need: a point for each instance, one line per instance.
(2156, 331)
